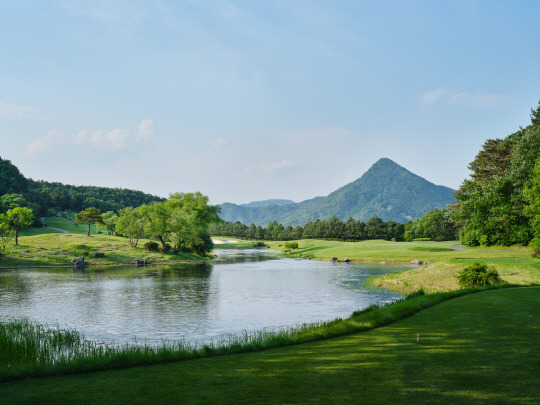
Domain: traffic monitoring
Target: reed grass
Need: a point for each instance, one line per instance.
(28, 349)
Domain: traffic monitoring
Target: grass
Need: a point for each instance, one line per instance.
(60, 248)
(477, 348)
(514, 264)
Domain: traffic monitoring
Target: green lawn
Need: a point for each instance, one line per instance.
(60, 248)
(476, 349)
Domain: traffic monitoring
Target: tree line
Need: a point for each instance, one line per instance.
(45, 197)
(500, 203)
(436, 225)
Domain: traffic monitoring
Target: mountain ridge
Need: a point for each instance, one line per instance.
(386, 189)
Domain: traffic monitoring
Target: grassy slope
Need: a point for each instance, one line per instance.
(479, 348)
(514, 264)
(60, 248)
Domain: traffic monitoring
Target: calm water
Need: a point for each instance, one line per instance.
(241, 290)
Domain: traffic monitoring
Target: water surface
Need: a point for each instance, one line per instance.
(240, 290)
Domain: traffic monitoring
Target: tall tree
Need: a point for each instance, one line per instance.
(89, 216)
(19, 218)
(533, 209)
(131, 224)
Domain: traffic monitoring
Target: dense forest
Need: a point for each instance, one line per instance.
(42, 196)
(434, 225)
(499, 204)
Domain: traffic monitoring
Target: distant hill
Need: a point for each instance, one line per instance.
(266, 203)
(43, 195)
(387, 190)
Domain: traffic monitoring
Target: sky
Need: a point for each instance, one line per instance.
(252, 100)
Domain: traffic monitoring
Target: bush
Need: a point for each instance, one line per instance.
(165, 248)
(477, 275)
(151, 246)
(291, 245)
(421, 240)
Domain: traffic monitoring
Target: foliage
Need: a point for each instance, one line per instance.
(290, 245)
(151, 246)
(533, 209)
(165, 248)
(89, 216)
(6, 233)
(478, 275)
(11, 179)
(19, 218)
(492, 205)
(130, 223)
(109, 222)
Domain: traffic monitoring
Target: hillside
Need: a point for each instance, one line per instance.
(387, 190)
(43, 195)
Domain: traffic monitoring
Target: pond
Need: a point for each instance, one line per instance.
(239, 290)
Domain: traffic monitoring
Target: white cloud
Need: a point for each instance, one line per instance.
(146, 130)
(269, 167)
(12, 111)
(114, 139)
(44, 142)
(475, 101)
(431, 97)
(219, 142)
(110, 139)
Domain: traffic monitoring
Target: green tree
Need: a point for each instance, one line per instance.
(19, 218)
(89, 216)
(109, 222)
(6, 233)
(375, 228)
(131, 224)
(533, 209)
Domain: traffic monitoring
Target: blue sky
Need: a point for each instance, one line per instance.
(250, 100)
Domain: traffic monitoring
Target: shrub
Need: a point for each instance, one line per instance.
(291, 245)
(165, 248)
(421, 240)
(151, 246)
(477, 275)
(260, 245)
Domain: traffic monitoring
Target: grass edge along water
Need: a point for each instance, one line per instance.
(34, 350)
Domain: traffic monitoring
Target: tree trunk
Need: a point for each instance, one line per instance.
(88, 234)
(16, 231)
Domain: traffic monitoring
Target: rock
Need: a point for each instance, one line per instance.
(416, 261)
(334, 259)
(139, 262)
(99, 254)
(78, 261)
(346, 260)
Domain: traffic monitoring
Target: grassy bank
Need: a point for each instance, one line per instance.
(60, 248)
(442, 261)
(478, 348)
(29, 349)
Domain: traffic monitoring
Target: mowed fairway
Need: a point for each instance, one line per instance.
(476, 349)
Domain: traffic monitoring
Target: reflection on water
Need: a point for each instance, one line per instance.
(239, 290)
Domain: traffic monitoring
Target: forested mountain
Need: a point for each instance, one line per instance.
(386, 190)
(42, 195)
(266, 203)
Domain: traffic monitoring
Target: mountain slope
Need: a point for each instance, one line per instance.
(386, 190)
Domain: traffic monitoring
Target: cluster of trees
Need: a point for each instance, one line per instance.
(500, 204)
(182, 220)
(435, 225)
(44, 196)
